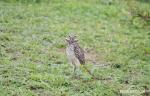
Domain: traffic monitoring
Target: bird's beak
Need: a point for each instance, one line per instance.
(67, 39)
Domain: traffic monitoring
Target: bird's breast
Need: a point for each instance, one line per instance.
(71, 55)
(70, 51)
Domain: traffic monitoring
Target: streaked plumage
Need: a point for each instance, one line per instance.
(74, 52)
(76, 57)
(79, 53)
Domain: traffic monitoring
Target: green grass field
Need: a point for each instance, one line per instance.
(32, 47)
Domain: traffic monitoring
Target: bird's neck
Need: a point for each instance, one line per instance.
(73, 44)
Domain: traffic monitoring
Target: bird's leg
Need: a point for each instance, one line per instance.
(81, 66)
(74, 67)
(82, 69)
(77, 72)
(74, 70)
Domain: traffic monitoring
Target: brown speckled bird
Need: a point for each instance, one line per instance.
(74, 52)
(76, 56)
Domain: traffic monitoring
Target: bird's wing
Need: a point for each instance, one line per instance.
(79, 53)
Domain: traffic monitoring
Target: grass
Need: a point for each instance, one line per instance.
(32, 47)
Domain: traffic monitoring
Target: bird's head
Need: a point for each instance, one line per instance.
(71, 39)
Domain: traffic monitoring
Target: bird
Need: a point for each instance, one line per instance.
(76, 56)
(74, 52)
